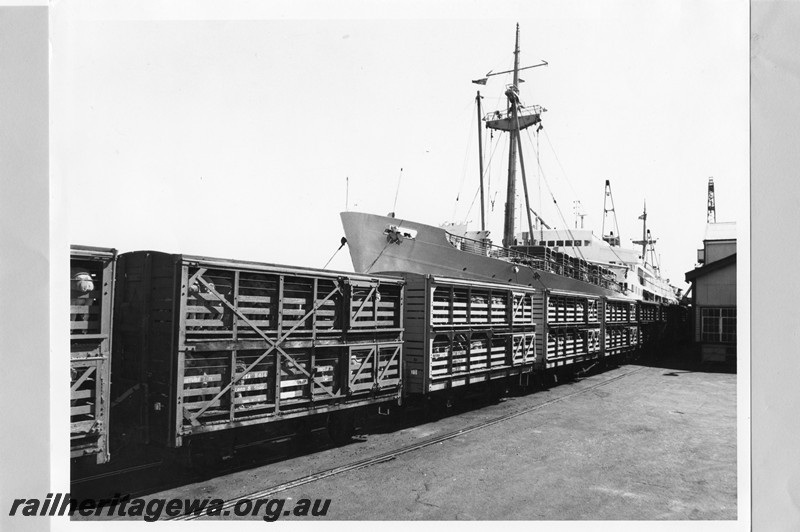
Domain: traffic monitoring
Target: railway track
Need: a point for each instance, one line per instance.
(389, 455)
(106, 483)
(115, 474)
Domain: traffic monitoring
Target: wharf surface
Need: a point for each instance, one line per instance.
(652, 443)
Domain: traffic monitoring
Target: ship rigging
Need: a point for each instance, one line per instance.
(388, 244)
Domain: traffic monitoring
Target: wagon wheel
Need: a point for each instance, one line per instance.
(341, 427)
(303, 437)
(209, 453)
(499, 391)
(439, 407)
(204, 459)
(541, 381)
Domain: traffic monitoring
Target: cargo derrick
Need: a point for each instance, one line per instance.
(91, 299)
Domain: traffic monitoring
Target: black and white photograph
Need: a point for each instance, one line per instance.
(396, 261)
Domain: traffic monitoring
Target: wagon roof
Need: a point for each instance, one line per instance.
(276, 268)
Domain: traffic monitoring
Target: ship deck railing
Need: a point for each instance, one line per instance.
(541, 258)
(501, 115)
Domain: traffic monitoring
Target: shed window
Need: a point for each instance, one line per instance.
(718, 325)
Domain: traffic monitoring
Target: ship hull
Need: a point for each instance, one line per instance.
(382, 244)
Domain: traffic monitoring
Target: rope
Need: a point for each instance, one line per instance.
(487, 174)
(489, 166)
(397, 192)
(552, 148)
(539, 185)
(558, 208)
(376, 258)
(560, 213)
(566, 177)
(470, 140)
(343, 242)
(400, 222)
(474, 198)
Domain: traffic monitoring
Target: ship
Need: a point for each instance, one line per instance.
(637, 270)
(566, 259)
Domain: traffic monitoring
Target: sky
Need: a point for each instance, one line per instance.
(241, 132)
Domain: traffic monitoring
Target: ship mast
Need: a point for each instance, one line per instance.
(643, 217)
(515, 119)
(645, 235)
(480, 160)
(511, 190)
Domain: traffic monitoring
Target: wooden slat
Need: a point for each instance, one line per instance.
(82, 394)
(325, 313)
(302, 382)
(294, 312)
(254, 299)
(94, 295)
(81, 410)
(84, 325)
(187, 379)
(84, 309)
(291, 323)
(205, 296)
(247, 399)
(82, 427)
(196, 309)
(240, 388)
(200, 404)
(384, 313)
(256, 375)
(262, 323)
(204, 323)
(192, 392)
(248, 311)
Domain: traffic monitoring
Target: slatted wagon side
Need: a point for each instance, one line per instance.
(652, 319)
(620, 335)
(91, 310)
(677, 324)
(570, 327)
(224, 344)
(460, 333)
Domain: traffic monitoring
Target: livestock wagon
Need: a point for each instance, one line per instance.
(652, 321)
(571, 328)
(620, 327)
(91, 301)
(460, 333)
(224, 344)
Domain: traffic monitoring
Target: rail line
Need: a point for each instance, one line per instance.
(384, 457)
(115, 473)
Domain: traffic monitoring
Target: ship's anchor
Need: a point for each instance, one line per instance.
(393, 235)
